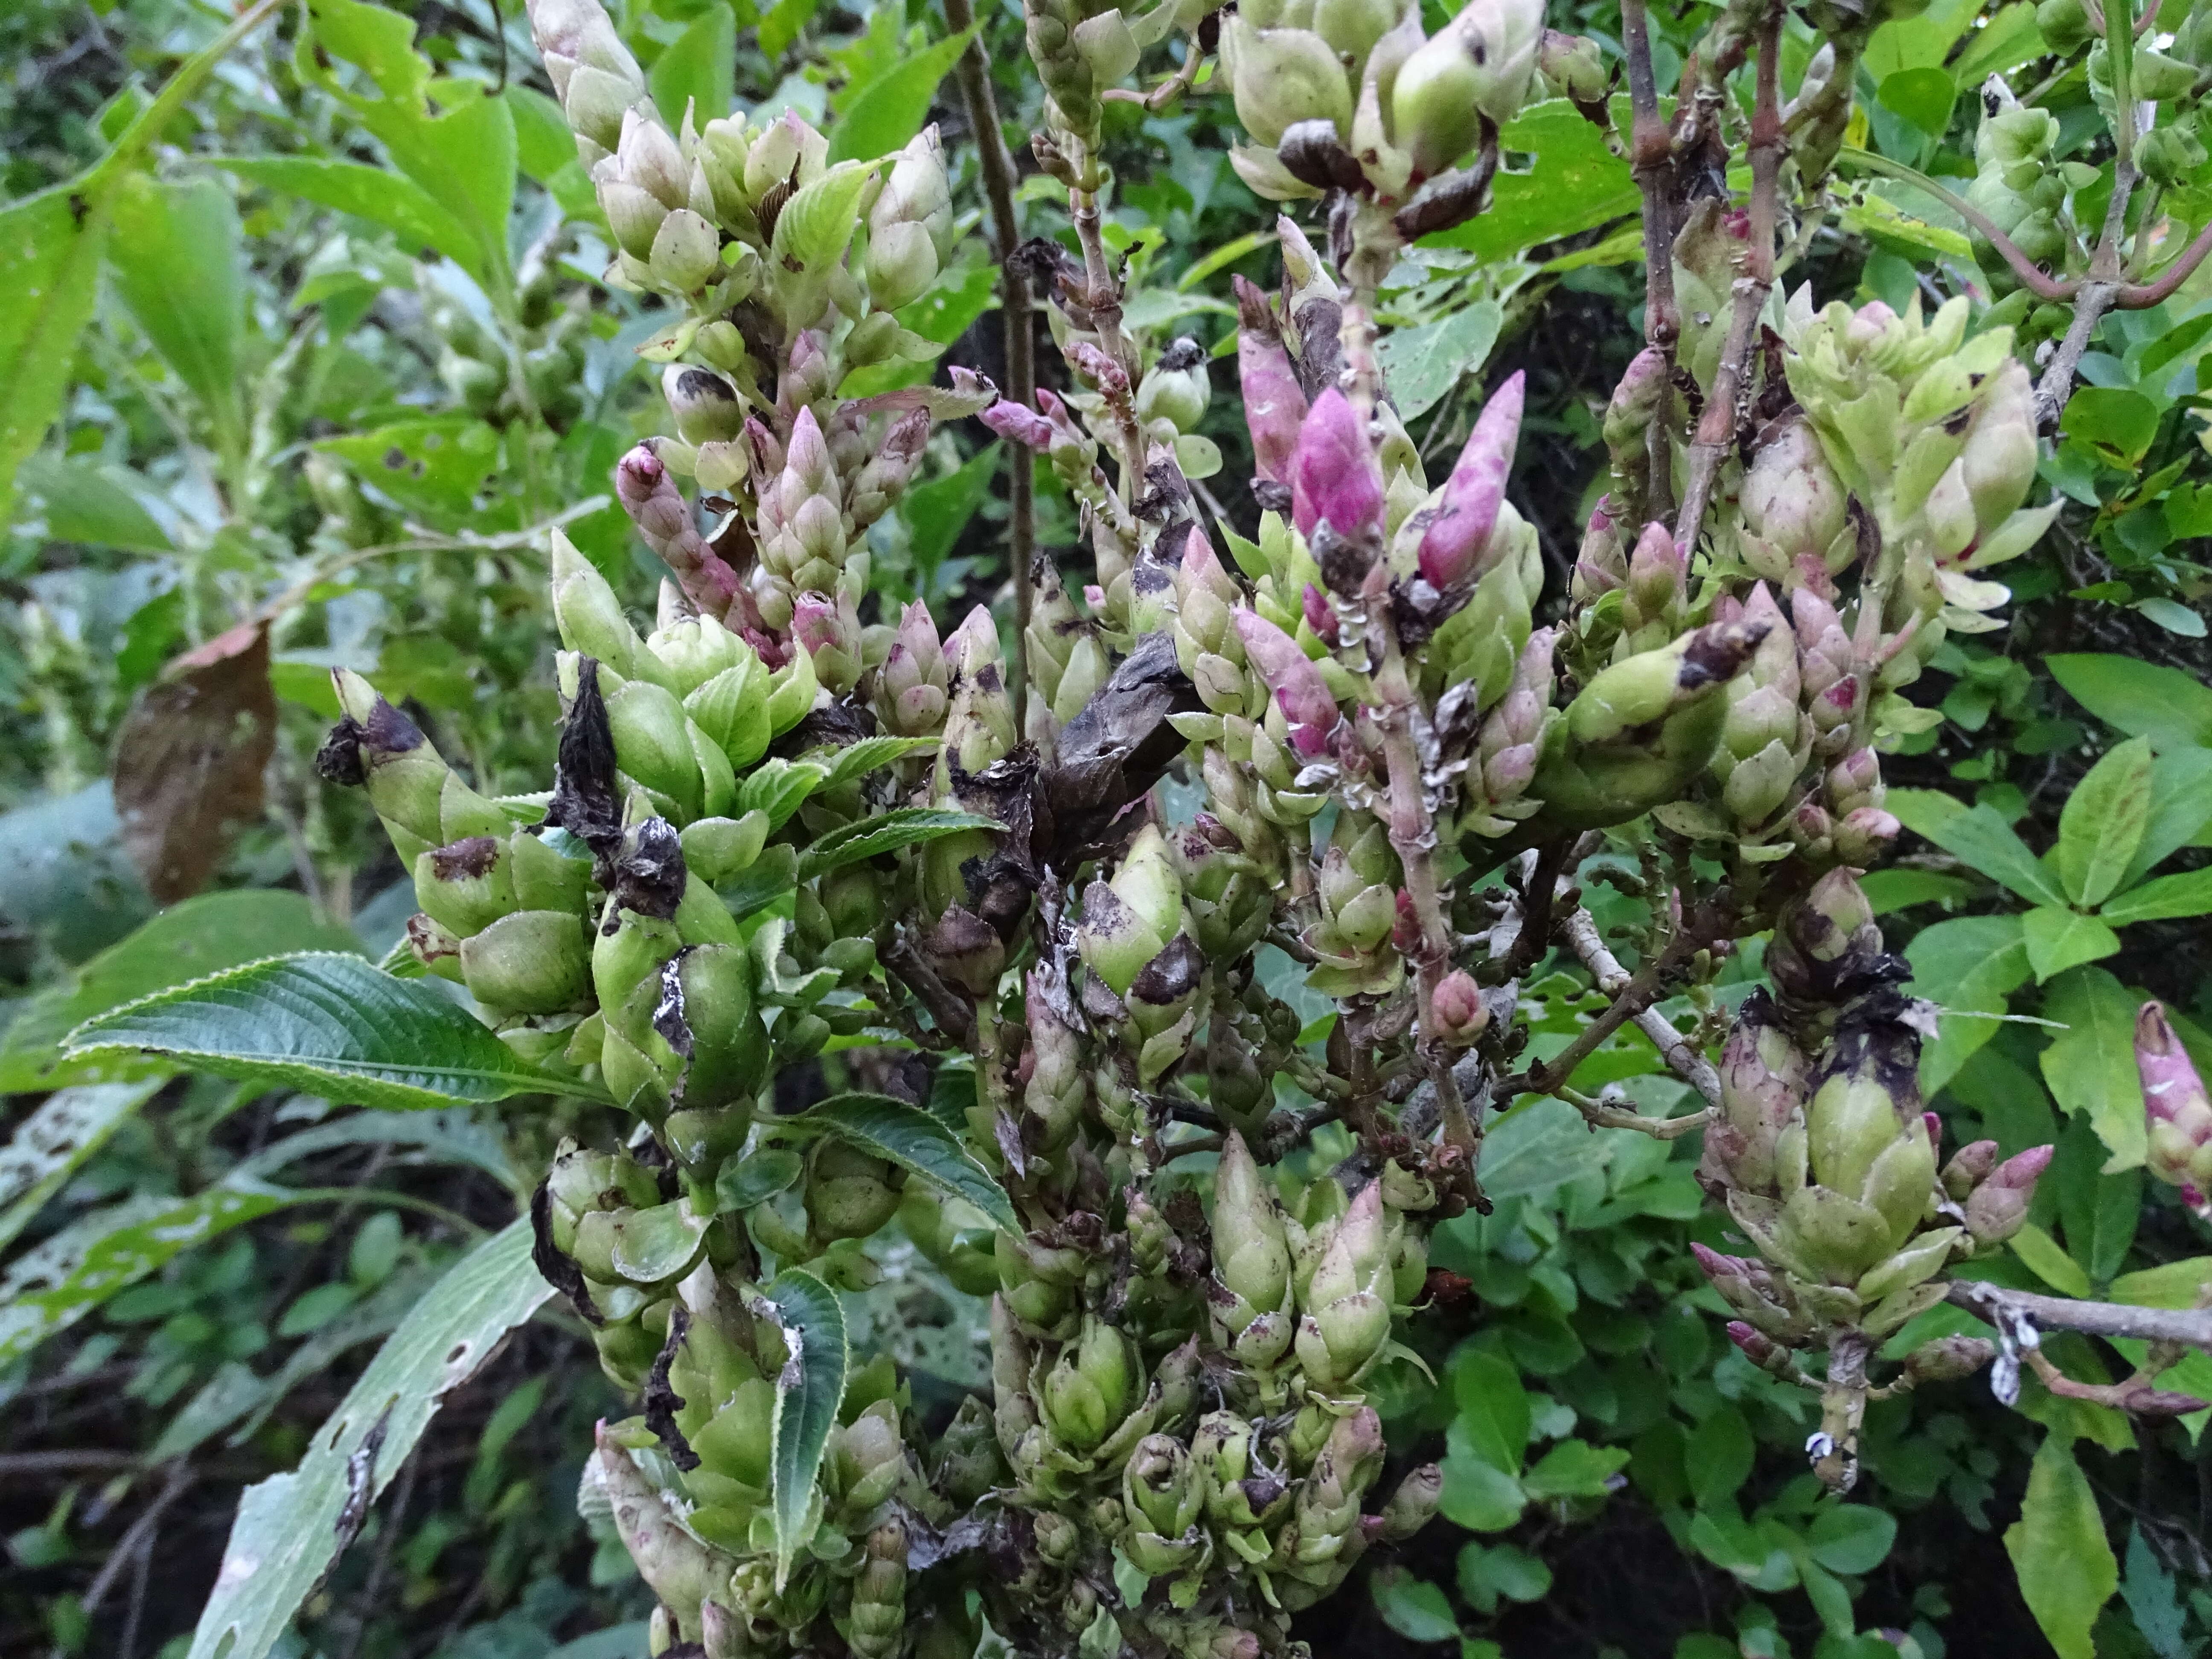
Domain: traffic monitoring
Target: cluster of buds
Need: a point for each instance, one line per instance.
(1827, 1162)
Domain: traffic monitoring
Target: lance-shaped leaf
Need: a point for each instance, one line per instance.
(857, 760)
(808, 1391)
(915, 1139)
(906, 826)
(291, 1527)
(329, 1024)
(69, 1126)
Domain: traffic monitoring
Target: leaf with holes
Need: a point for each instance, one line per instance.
(332, 1025)
(906, 826)
(914, 1140)
(808, 1391)
(441, 467)
(291, 1527)
(49, 1145)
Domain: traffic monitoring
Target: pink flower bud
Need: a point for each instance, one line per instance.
(1334, 475)
(2178, 1114)
(1657, 570)
(1300, 691)
(1997, 1208)
(1274, 403)
(1098, 368)
(1460, 1012)
(1321, 615)
(814, 622)
(1452, 546)
(1018, 423)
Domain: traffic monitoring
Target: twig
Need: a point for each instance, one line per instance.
(2032, 276)
(1716, 433)
(181, 1479)
(2131, 1394)
(1000, 181)
(1601, 1115)
(2190, 1325)
(1651, 155)
(1685, 1061)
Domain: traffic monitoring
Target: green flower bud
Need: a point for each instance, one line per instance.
(1128, 921)
(533, 961)
(1090, 1388)
(1251, 1258)
(910, 226)
(1478, 65)
(1281, 76)
(848, 1194)
(706, 406)
(1348, 1301)
(1161, 1489)
(966, 1463)
(876, 1620)
(680, 1571)
(467, 886)
(867, 1456)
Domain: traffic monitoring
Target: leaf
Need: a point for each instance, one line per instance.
(937, 512)
(808, 1390)
(1718, 1456)
(778, 788)
(1969, 966)
(450, 1137)
(1850, 1538)
(2048, 1263)
(1478, 1495)
(374, 193)
(189, 758)
(64, 880)
(1574, 1468)
(2009, 38)
(780, 28)
(857, 760)
(183, 283)
(2180, 808)
(816, 224)
(210, 931)
(2117, 423)
(2090, 1067)
(1536, 1148)
(291, 1527)
(2170, 1284)
(1923, 96)
(2164, 899)
(329, 1024)
(2145, 700)
(889, 110)
(866, 838)
(1422, 364)
(2103, 822)
(1493, 1415)
(2066, 1568)
(80, 499)
(1417, 1609)
(1979, 836)
(50, 250)
(751, 1178)
(2171, 614)
(442, 465)
(1573, 183)
(698, 69)
(2059, 939)
(762, 882)
(2097, 1211)
(912, 1139)
(53, 1142)
(52, 1286)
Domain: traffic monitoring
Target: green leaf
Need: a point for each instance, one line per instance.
(1562, 179)
(1922, 96)
(183, 281)
(778, 788)
(2164, 899)
(376, 194)
(543, 145)
(817, 222)
(2048, 1262)
(330, 1025)
(2090, 1067)
(1718, 1456)
(903, 826)
(1493, 1407)
(1574, 1468)
(2066, 1567)
(1488, 1573)
(782, 24)
(2118, 423)
(2180, 808)
(2145, 700)
(937, 512)
(762, 882)
(450, 1137)
(2059, 939)
(2170, 1284)
(1422, 364)
(698, 69)
(808, 1390)
(857, 760)
(2103, 823)
(442, 465)
(1478, 1495)
(1850, 1538)
(51, 1286)
(1415, 1608)
(913, 1139)
(291, 1527)
(50, 249)
(889, 110)
(205, 933)
(91, 502)
(747, 1179)
(1979, 836)
(53, 1142)
(2171, 614)
(2009, 38)
(1970, 966)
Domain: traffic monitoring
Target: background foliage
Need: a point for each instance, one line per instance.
(296, 379)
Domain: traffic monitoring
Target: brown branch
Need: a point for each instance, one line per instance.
(1652, 155)
(999, 181)
(2141, 296)
(2192, 1326)
(1716, 433)
(2131, 1394)
(1684, 1060)
(2031, 276)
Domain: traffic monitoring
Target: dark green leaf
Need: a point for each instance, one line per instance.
(857, 760)
(1493, 1407)
(2118, 423)
(1413, 1607)
(808, 1391)
(866, 838)
(450, 1137)
(913, 1139)
(761, 882)
(751, 1178)
(1574, 1468)
(937, 512)
(1478, 1495)
(332, 1025)
(1718, 1456)
(889, 110)
(698, 70)
(1422, 363)
(1852, 1538)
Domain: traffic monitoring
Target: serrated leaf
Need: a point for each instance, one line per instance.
(818, 222)
(1981, 837)
(905, 826)
(329, 1024)
(290, 1528)
(2066, 1567)
(808, 1391)
(778, 788)
(857, 760)
(2103, 822)
(2090, 1067)
(50, 1287)
(913, 1138)
(49, 1145)
(2058, 939)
